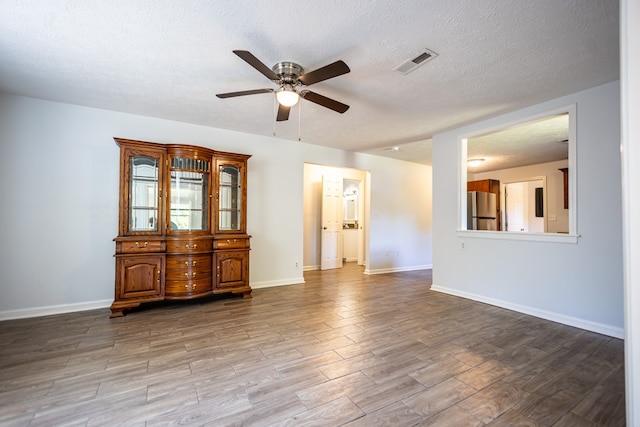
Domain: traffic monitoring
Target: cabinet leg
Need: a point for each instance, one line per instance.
(247, 294)
(116, 312)
(117, 309)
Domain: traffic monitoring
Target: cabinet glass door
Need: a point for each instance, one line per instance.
(189, 203)
(143, 193)
(230, 198)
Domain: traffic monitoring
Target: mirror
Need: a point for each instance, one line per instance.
(350, 203)
(528, 168)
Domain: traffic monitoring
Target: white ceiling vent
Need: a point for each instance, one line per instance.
(413, 63)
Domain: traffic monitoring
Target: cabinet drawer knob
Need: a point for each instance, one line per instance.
(192, 247)
(193, 264)
(190, 287)
(144, 245)
(193, 275)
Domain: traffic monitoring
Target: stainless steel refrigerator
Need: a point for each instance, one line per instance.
(481, 211)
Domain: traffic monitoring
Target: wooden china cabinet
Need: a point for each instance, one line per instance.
(182, 224)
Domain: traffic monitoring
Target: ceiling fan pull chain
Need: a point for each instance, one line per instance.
(299, 118)
(275, 112)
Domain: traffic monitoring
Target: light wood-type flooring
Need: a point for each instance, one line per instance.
(343, 349)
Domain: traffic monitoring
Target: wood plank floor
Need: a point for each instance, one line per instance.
(343, 349)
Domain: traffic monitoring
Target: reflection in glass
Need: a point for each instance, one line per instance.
(189, 190)
(143, 197)
(230, 198)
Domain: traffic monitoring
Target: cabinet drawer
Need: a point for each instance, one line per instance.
(189, 262)
(182, 246)
(191, 274)
(187, 287)
(232, 243)
(184, 272)
(140, 246)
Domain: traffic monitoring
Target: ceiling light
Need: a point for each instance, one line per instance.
(474, 162)
(287, 96)
(396, 148)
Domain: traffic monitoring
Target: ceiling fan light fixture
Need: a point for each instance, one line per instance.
(474, 162)
(287, 96)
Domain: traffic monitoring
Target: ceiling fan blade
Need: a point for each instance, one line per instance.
(335, 69)
(243, 93)
(283, 113)
(257, 64)
(324, 101)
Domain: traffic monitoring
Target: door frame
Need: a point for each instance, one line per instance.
(312, 211)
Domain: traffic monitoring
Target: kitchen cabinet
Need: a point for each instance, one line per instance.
(182, 213)
(488, 186)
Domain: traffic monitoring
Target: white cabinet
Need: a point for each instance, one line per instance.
(350, 244)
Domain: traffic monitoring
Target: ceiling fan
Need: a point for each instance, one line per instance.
(289, 76)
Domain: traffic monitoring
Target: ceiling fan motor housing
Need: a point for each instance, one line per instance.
(288, 72)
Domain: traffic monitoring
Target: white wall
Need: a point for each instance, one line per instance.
(59, 197)
(399, 221)
(555, 188)
(630, 103)
(579, 284)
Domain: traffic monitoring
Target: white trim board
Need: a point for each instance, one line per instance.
(274, 283)
(543, 314)
(54, 309)
(398, 269)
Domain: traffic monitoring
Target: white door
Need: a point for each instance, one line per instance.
(330, 247)
(535, 224)
(514, 208)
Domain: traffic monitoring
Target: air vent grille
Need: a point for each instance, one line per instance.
(413, 63)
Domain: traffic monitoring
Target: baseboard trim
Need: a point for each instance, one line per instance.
(53, 309)
(398, 269)
(310, 268)
(274, 283)
(588, 325)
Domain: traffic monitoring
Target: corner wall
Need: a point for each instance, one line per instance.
(578, 284)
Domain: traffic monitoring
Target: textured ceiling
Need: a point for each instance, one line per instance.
(168, 59)
(539, 141)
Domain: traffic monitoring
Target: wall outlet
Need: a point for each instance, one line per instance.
(462, 246)
(552, 217)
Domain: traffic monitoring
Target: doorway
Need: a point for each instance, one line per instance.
(525, 206)
(342, 234)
